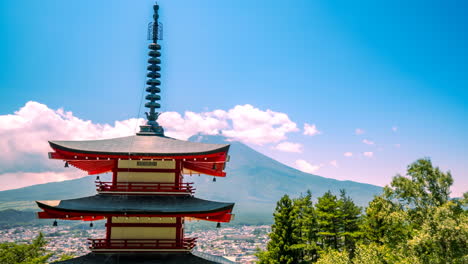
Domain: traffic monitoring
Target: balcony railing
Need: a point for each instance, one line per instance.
(145, 187)
(142, 244)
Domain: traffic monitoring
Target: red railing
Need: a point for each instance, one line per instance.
(129, 244)
(144, 187)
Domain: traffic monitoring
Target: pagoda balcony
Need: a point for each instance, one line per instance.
(145, 187)
(133, 245)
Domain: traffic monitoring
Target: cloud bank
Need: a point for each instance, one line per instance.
(244, 123)
(26, 132)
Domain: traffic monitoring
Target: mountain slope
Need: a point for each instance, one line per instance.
(51, 191)
(254, 182)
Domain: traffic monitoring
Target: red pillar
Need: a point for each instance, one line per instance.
(108, 229)
(179, 232)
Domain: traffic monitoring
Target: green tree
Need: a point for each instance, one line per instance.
(350, 222)
(443, 237)
(374, 253)
(328, 220)
(413, 222)
(334, 257)
(281, 248)
(306, 228)
(33, 253)
(385, 222)
(424, 188)
(464, 199)
(416, 217)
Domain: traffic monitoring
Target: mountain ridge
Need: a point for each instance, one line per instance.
(255, 182)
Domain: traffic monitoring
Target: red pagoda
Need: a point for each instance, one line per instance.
(147, 201)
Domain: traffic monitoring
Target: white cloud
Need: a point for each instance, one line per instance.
(334, 163)
(244, 123)
(209, 123)
(25, 134)
(348, 154)
(394, 128)
(359, 131)
(368, 142)
(252, 125)
(311, 130)
(307, 167)
(289, 147)
(397, 145)
(368, 154)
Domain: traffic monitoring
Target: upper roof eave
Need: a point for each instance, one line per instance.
(139, 146)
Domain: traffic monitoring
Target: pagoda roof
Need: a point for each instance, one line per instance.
(120, 205)
(139, 146)
(147, 258)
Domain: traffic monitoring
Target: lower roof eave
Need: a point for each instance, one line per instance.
(145, 258)
(101, 206)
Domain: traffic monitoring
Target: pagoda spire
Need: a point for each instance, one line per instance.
(154, 34)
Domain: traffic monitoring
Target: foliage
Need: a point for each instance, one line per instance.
(424, 188)
(302, 230)
(374, 253)
(385, 223)
(328, 220)
(413, 222)
(443, 236)
(349, 222)
(34, 253)
(306, 228)
(331, 256)
(283, 236)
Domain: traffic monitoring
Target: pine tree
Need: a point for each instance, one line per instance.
(283, 240)
(328, 220)
(350, 221)
(306, 228)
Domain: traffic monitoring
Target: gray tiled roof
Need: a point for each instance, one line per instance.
(139, 145)
(135, 204)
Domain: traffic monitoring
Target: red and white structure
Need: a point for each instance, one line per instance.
(147, 201)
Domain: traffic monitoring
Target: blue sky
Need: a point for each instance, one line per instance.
(340, 65)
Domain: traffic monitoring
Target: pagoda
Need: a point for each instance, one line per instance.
(147, 201)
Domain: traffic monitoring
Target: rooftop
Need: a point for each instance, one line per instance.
(140, 258)
(159, 205)
(139, 146)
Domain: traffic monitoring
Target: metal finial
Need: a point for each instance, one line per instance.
(154, 34)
